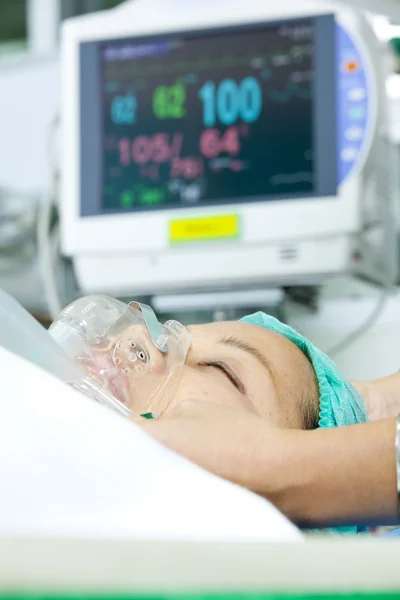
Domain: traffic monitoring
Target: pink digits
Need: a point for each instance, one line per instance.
(212, 144)
(176, 145)
(189, 168)
(144, 149)
(161, 151)
(230, 141)
(157, 149)
(124, 147)
(209, 143)
(141, 150)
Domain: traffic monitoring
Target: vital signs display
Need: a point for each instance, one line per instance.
(242, 114)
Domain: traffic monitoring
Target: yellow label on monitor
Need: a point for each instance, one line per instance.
(205, 229)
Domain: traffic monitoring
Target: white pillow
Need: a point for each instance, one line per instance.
(70, 467)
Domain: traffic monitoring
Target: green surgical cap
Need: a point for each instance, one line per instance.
(340, 404)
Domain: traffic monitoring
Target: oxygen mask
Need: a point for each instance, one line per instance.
(133, 363)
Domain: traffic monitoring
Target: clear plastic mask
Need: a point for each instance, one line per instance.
(128, 355)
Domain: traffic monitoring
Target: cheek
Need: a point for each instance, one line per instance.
(263, 396)
(207, 386)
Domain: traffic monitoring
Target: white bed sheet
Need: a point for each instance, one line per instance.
(70, 467)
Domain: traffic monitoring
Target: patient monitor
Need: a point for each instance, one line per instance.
(221, 145)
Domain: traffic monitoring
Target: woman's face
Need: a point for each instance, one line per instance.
(249, 367)
(234, 364)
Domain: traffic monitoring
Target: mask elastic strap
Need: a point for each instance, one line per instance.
(158, 338)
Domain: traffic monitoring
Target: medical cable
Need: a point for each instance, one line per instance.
(48, 236)
(350, 339)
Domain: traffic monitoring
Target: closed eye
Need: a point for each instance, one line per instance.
(227, 371)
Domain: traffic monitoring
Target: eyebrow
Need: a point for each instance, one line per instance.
(234, 342)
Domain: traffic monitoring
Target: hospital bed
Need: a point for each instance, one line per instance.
(92, 508)
(77, 569)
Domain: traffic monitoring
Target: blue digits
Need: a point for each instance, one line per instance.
(123, 109)
(207, 94)
(229, 101)
(250, 100)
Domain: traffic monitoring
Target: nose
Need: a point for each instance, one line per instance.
(134, 353)
(130, 355)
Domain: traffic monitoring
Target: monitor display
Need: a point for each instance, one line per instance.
(209, 118)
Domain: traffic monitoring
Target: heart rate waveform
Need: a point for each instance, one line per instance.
(292, 178)
(291, 90)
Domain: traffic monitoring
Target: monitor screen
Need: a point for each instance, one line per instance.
(242, 114)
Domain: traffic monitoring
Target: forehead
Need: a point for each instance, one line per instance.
(262, 339)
